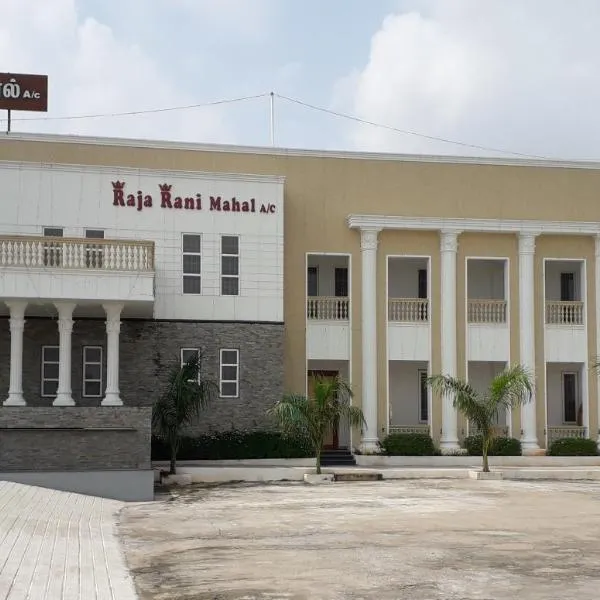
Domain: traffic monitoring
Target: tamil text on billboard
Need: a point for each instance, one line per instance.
(23, 92)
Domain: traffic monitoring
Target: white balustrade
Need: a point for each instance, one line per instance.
(412, 310)
(564, 313)
(409, 429)
(486, 311)
(73, 253)
(327, 308)
(566, 431)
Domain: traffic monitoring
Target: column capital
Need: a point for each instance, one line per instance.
(597, 239)
(368, 238)
(17, 308)
(113, 310)
(449, 240)
(527, 242)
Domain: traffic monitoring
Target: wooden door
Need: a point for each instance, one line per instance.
(332, 439)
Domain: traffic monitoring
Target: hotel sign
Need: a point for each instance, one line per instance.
(23, 92)
(171, 201)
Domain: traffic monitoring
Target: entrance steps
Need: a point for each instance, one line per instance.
(340, 457)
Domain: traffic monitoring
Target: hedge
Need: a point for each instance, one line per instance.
(573, 447)
(501, 446)
(234, 445)
(408, 444)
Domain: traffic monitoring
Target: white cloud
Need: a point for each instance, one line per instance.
(92, 71)
(517, 75)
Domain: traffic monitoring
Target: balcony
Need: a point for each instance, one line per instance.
(564, 312)
(327, 308)
(52, 268)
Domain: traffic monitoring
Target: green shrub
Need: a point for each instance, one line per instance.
(573, 447)
(408, 444)
(234, 445)
(501, 446)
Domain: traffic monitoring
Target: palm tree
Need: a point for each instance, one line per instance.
(313, 417)
(509, 389)
(186, 394)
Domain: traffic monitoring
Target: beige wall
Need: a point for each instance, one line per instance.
(321, 192)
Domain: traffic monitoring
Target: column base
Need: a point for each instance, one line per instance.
(529, 447)
(15, 399)
(447, 446)
(63, 400)
(370, 446)
(111, 399)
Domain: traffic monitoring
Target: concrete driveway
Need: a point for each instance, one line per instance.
(388, 540)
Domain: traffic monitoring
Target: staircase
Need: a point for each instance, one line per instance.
(341, 457)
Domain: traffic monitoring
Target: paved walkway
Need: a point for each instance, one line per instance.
(59, 546)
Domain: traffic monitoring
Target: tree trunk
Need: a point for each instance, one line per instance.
(319, 461)
(486, 445)
(173, 466)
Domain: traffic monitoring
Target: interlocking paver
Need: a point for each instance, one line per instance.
(60, 546)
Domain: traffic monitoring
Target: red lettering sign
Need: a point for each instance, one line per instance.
(139, 200)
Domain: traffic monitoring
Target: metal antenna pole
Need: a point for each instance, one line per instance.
(8, 126)
(272, 119)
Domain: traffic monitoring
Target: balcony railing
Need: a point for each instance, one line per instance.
(410, 310)
(486, 311)
(565, 431)
(327, 308)
(76, 253)
(564, 313)
(408, 429)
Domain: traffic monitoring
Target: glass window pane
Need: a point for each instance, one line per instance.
(50, 371)
(230, 244)
(229, 286)
(186, 355)
(53, 231)
(230, 265)
(93, 354)
(191, 284)
(49, 388)
(50, 354)
(92, 372)
(191, 243)
(229, 373)
(229, 357)
(92, 388)
(191, 263)
(96, 234)
(229, 389)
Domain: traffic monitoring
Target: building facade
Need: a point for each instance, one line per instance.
(277, 264)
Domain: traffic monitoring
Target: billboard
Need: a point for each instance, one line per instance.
(23, 92)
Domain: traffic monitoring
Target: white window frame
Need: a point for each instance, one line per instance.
(237, 372)
(562, 393)
(227, 255)
(183, 273)
(420, 373)
(48, 362)
(84, 380)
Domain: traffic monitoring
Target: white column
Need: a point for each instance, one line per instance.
(527, 335)
(368, 248)
(448, 250)
(113, 327)
(65, 328)
(597, 271)
(17, 324)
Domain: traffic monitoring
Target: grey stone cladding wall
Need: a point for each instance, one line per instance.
(74, 438)
(148, 348)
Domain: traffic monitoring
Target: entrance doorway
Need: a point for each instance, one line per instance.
(332, 441)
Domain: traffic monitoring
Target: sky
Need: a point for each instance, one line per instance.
(503, 77)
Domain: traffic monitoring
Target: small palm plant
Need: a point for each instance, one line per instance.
(186, 394)
(314, 416)
(509, 389)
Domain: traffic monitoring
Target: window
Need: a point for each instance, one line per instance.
(567, 287)
(92, 371)
(50, 359)
(229, 373)
(187, 354)
(570, 397)
(230, 265)
(192, 264)
(341, 282)
(423, 397)
(53, 251)
(94, 252)
(422, 284)
(312, 281)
